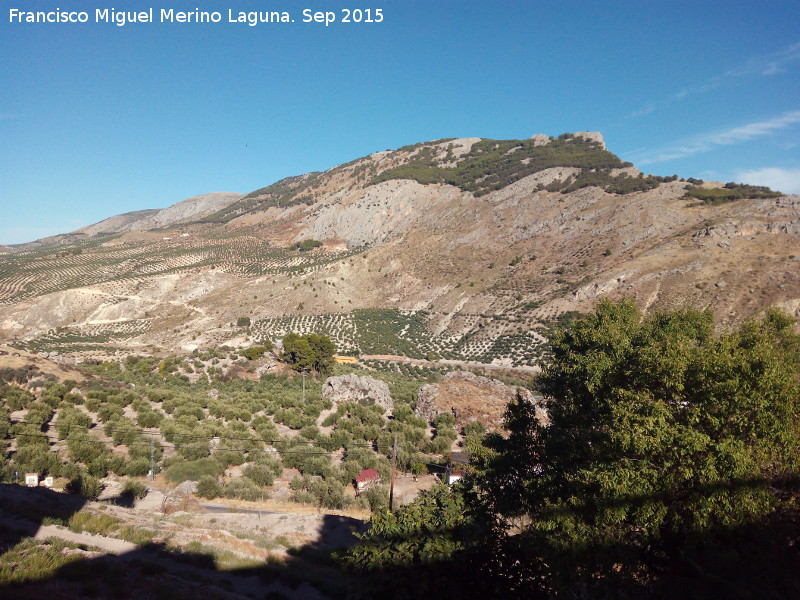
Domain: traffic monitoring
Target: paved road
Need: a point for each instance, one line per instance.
(224, 508)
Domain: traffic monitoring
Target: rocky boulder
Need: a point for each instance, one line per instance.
(473, 398)
(361, 390)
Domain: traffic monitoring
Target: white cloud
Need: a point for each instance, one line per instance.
(765, 66)
(784, 180)
(709, 141)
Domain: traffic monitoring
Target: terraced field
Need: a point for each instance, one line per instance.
(100, 337)
(407, 333)
(30, 274)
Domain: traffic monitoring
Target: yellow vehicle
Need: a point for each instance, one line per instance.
(345, 360)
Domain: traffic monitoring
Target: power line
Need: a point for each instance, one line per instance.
(54, 440)
(200, 437)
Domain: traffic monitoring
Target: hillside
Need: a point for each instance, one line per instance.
(462, 249)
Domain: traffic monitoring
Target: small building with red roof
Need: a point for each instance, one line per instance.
(365, 479)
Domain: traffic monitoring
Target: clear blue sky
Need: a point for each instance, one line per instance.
(97, 119)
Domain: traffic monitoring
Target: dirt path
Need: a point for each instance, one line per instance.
(240, 584)
(107, 544)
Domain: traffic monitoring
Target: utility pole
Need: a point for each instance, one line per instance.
(152, 460)
(394, 465)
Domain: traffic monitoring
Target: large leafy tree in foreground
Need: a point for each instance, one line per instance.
(668, 469)
(670, 460)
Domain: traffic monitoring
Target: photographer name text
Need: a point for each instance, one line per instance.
(122, 18)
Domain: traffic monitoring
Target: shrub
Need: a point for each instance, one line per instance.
(194, 470)
(255, 352)
(208, 487)
(307, 245)
(135, 488)
(262, 473)
(377, 497)
(137, 467)
(85, 485)
(149, 418)
(731, 192)
(244, 488)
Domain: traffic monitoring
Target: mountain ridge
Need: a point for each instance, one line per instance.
(463, 248)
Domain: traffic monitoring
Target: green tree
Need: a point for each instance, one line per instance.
(208, 487)
(668, 444)
(668, 468)
(311, 351)
(417, 551)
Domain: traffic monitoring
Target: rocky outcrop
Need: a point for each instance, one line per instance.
(426, 406)
(473, 398)
(184, 211)
(594, 136)
(361, 390)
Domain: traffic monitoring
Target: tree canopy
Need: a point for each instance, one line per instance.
(310, 351)
(669, 468)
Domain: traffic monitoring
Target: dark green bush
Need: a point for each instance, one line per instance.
(135, 488)
(85, 485)
(243, 488)
(731, 192)
(208, 487)
(262, 474)
(194, 470)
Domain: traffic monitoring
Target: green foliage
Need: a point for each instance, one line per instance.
(474, 428)
(36, 560)
(669, 469)
(149, 418)
(194, 470)
(5, 422)
(99, 524)
(492, 165)
(209, 487)
(262, 474)
(307, 245)
(310, 351)
(256, 352)
(664, 437)
(377, 497)
(615, 184)
(243, 488)
(72, 420)
(91, 452)
(85, 485)
(731, 192)
(324, 492)
(37, 458)
(243, 322)
(39, 413)
(416, 551)
(135, 488)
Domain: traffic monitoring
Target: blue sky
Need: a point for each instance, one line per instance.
(97, 119)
